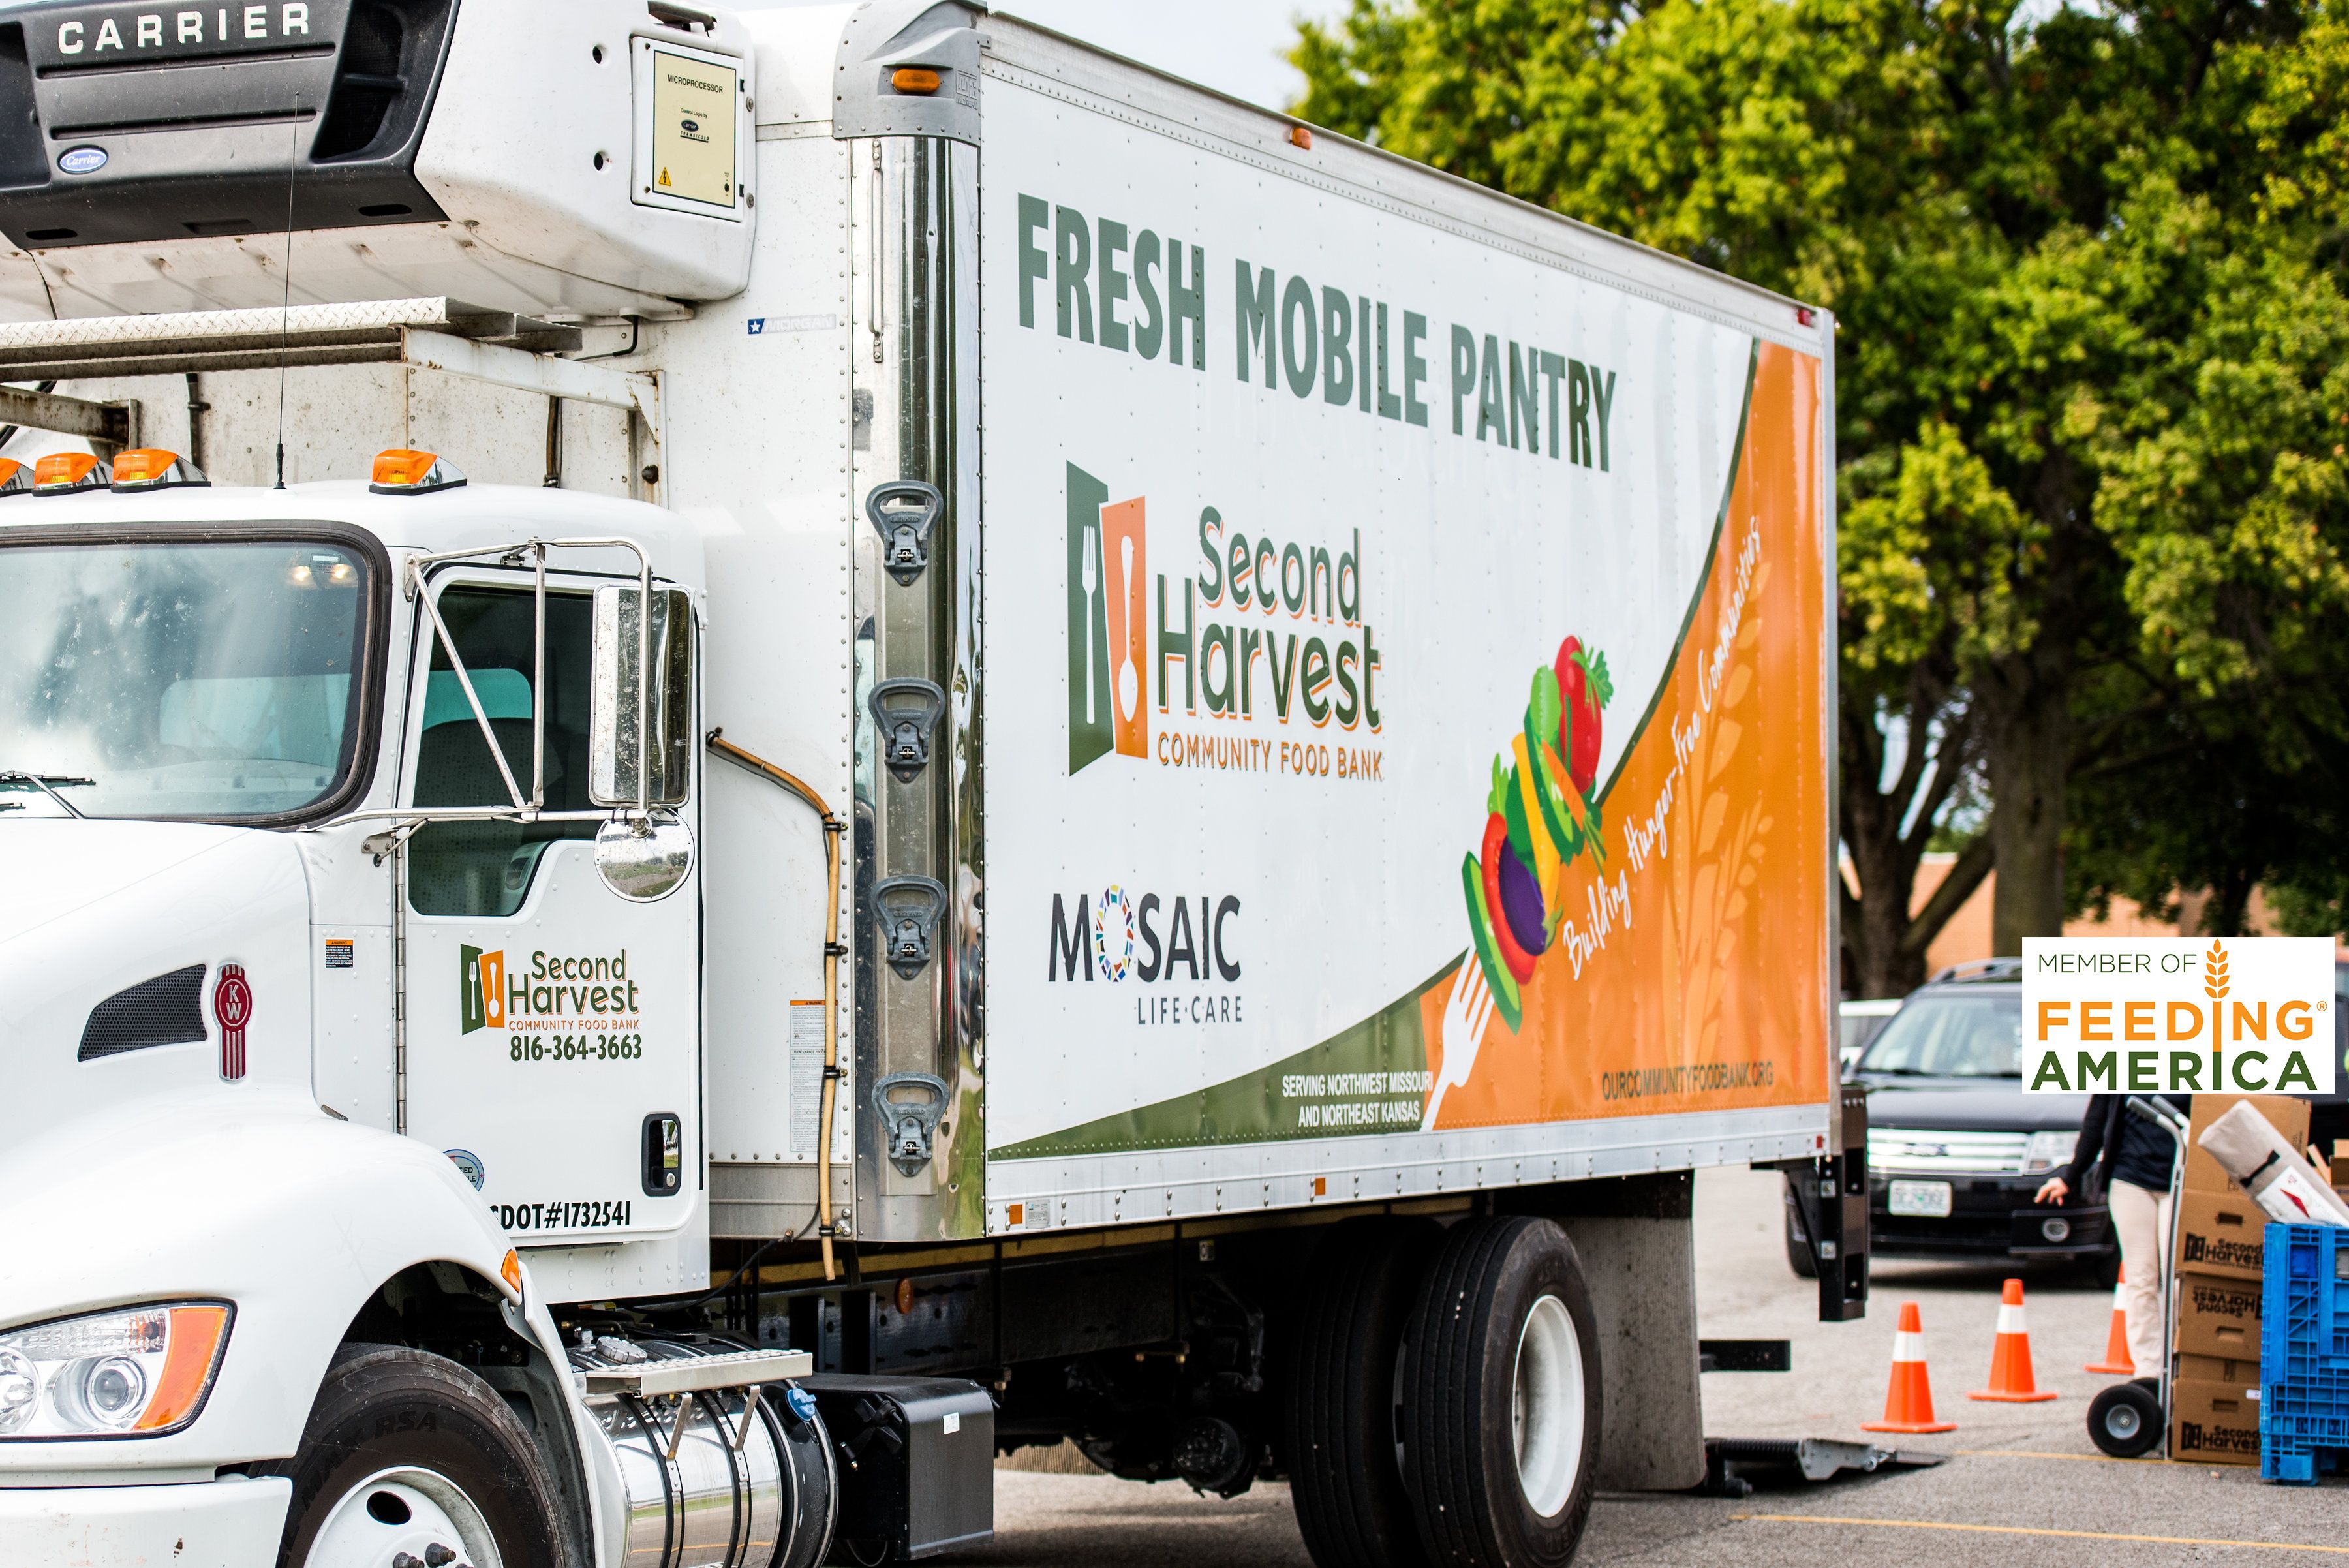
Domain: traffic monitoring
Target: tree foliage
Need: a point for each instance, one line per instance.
(2088, 271)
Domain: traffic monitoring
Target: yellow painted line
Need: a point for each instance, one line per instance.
(2020, 1529)
(2029, 1454)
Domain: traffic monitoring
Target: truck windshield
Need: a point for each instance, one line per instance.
(206, 680)
(1946, 1036)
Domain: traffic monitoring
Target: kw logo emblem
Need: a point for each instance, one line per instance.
(1108, 631)
(481, 989)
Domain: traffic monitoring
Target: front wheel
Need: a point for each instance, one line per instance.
(2125, 1420)
(1500, 1422)
(408, 1455)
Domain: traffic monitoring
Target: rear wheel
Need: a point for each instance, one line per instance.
(1501, 1407)
(2125, 1420)
(407, 1453)
(1352, 1506)
(1798, 1251)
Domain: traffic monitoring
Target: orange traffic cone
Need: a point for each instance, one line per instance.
(1908, 1402)
(2010, 1358)
(2116, 1362)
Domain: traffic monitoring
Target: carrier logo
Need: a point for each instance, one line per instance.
(157, 32)
(1109, 660)
(481, 989)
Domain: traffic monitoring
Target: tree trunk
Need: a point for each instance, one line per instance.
(2029, 755)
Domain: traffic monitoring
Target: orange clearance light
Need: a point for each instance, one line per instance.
(510, 1271)
(15, 478)
(914, 78)
(63, 472)
(152, 468)
(1300, 138)
(400, 471)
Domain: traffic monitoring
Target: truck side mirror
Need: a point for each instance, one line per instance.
(622, 689)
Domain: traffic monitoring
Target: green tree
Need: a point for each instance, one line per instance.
(2034, 236)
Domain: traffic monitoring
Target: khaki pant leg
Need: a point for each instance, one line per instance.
(2141, 1221)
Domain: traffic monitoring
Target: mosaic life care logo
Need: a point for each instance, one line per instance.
(2177, 1016)
(1109, 662)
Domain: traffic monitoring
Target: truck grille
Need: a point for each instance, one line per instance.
(1906, 1150)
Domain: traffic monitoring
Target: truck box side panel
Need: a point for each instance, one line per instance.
(1408, 664)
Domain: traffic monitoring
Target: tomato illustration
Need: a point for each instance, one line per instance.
(1583, 682)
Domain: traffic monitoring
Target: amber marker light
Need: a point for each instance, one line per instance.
(64, 473)
(510, 1271)
(400, 471)
(913, 79)
(152, 468)
(191, 1356)
(15, 478)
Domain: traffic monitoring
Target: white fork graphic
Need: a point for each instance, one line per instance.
(1466, 1013)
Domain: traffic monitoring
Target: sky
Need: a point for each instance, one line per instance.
(1232, 46)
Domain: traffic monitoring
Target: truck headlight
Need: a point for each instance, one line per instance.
(2046, 1150)
(140, 1372)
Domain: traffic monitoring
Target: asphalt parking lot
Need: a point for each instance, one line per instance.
(2021, 1485)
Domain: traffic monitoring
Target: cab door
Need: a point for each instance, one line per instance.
(553, 1026)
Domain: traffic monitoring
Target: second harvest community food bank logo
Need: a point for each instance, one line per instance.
(554, 988)
(1108, 565)
(1295, 649)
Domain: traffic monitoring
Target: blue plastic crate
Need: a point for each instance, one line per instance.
(2304, 1352)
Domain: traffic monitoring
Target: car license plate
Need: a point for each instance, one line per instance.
(1921, 1199)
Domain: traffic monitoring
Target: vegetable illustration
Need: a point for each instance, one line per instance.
(1537, 818)
(1583, 681)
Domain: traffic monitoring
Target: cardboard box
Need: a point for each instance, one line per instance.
(2219, 1369)
(2286, 1114)
(2220, 1235)
(2218, 1317)
(2214, 1423)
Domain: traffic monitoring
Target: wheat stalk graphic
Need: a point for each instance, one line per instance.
(2214, 972)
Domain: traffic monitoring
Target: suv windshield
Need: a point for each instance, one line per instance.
(201, 679)
(1951, 1035)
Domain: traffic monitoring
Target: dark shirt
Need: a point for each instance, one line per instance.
(2141, 1153)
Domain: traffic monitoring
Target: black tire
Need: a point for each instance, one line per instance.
(387, 1409)
(1352, 1506)
(1798, 1251)
(2125, 1420)
(1461, 1415)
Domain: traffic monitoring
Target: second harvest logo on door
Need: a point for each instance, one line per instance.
(554, 990)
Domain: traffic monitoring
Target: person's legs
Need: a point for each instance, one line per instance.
(2141, 1221)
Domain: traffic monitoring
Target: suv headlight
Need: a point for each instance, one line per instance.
(2046, 1150)
(135, 1373)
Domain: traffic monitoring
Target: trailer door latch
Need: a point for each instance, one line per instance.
(904, 510)
(906, 711)
(907, 1125)
(907, 908)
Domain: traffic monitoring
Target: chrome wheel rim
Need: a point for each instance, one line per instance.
(404, 1512)
(1546, 1407)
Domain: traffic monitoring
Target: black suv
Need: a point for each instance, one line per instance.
(1955, 1148)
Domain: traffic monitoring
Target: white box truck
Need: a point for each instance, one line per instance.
(743, 756)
